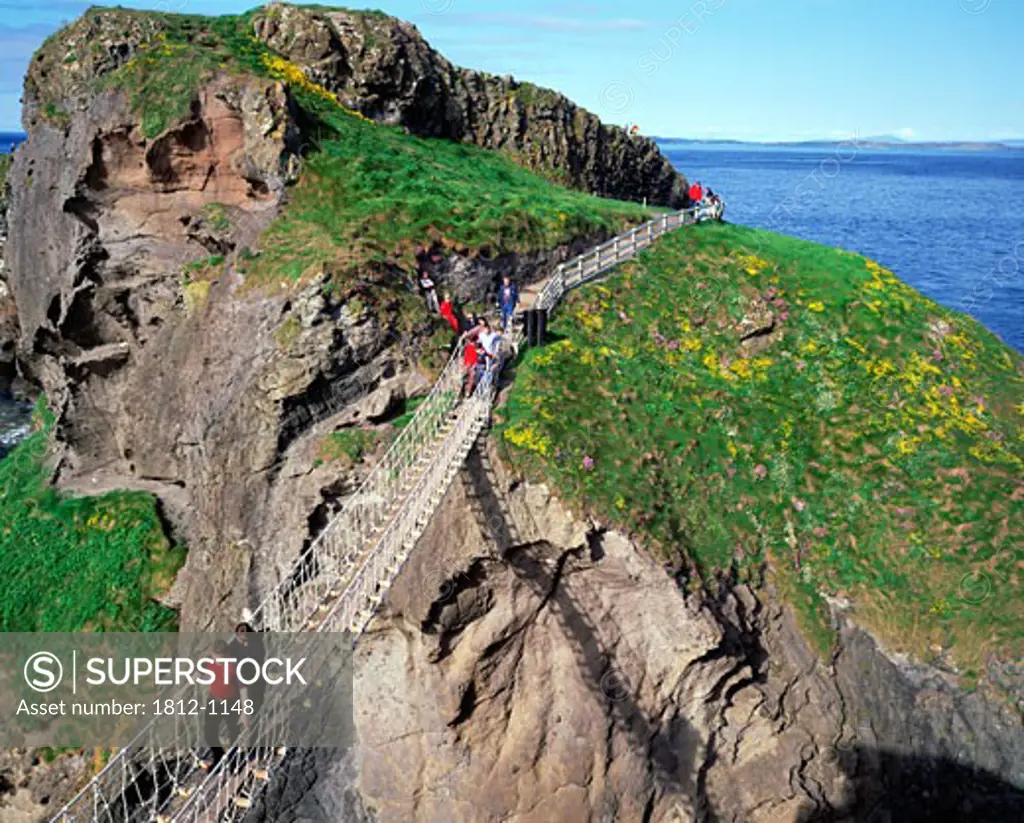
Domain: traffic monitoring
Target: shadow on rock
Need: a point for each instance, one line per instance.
(888, 787)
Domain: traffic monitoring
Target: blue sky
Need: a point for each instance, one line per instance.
(747, 69)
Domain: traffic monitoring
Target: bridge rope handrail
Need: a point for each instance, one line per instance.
(340, 578)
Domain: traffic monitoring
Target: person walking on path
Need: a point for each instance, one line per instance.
(491, 340)
(448, 313)
(248, 645)
(427, 285)
(471, 359)
(223, 693)
(508, 299)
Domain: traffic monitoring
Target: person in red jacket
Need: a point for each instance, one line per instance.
(696, 194)
(448, 313)
(223, 694)
(470, 361)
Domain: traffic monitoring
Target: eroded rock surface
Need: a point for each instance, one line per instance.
(531, 667)
(383, 68)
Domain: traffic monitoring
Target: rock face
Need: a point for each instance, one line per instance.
(151, 386)
(8, 311)
(155, 380)
(35, 787)
(383, 68)
(529, 667)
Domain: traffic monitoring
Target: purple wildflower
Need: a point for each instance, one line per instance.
(760, 471)
(799, 505)
(588, 462)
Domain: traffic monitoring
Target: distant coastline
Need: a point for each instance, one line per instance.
(869, 142)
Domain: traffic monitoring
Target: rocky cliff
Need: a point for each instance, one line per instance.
(528, 666)
(8, 311)
(126, 263)
(383, 68)
(532, 667)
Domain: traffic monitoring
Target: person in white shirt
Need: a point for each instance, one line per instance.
(429, 291)
(492, 340)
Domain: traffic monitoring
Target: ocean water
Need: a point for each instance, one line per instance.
(9, 140)
(950, 223)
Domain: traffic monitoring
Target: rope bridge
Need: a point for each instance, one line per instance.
(339, 580)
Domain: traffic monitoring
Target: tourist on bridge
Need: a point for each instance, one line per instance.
(472, 358)
(492, 341)
(248, 645)
(508, 298)
(223, 693)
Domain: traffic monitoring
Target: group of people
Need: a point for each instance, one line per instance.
(699, 196)
(483, 344)
(481, 354)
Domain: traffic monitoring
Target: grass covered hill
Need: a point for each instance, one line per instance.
(78, 564)
(367, 197)
(862, 442)
(368, 193)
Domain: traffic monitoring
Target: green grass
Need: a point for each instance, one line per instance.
(166, 73)
(372, 194)
(71, 564)
(5, 167)
(871, 452)
(349, 445)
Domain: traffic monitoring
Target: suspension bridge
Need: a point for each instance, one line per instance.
(340, 579)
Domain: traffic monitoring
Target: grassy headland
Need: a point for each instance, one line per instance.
(74, 564)
(368, 197)
(368, 194)
(871, 449)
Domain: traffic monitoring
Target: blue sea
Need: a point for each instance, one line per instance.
(8, 141)
(947, 222)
